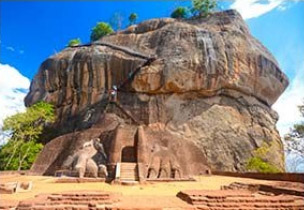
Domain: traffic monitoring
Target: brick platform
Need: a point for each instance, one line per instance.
(79, 180)
(8, 205)
(237, 200)
(276, 189)
(71, 200)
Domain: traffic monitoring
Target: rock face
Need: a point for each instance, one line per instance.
(204, 83)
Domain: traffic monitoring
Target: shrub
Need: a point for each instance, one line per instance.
(132, 18)
(259, 163)
(101, 29)
(180, 12)
(74, 42)
(203, 7)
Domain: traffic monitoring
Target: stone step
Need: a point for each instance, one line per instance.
(128, 168)
(134, 178)
(128, 163)
(128, 174)
(130, 179)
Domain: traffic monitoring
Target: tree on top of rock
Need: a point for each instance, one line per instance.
(180, 13)
(132, 18)
(74, 42)
(203, 8)
(101, 29)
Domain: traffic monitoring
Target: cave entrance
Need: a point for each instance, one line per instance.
(128, 154)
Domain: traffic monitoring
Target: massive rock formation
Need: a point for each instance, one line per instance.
(201, 88)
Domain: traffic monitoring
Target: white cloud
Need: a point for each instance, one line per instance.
(13, 88)
(282, 7)
(289, 114)
(10, 48)
(287, 104)
(255, 8)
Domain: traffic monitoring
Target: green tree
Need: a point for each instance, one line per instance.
(259, 162)
(101, 29)
(25, 155)
(203, 8)
(25, 128)
(132, 18)
(74, 42)
(180, 13)
(294, 144)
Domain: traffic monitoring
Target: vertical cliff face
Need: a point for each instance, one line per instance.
(206, 82)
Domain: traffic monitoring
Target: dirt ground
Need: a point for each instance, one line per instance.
(149, 195)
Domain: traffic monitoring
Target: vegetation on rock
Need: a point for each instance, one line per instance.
(25, 128)
(101, 29)
(132, 18)
(259, 162)
(74, 42)
(203, 8)
(180, 13)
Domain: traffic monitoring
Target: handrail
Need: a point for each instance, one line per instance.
(116, 47)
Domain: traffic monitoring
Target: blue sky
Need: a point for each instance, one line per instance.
(38, 29)
(31, 31)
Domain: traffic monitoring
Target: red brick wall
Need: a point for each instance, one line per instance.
(292, 177)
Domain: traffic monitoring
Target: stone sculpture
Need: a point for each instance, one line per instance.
(163, 164)
(89, 161)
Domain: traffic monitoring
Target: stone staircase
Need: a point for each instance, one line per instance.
(236, 200)
(126, 112)
(129, 172)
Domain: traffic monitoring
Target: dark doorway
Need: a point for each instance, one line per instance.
(128, 154)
